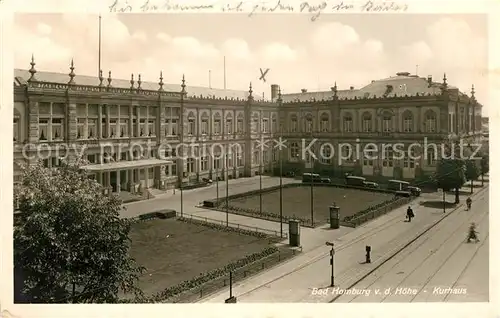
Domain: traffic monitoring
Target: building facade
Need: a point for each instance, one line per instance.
(404, 109)
(138, 134)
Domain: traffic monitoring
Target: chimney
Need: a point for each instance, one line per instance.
(303, 90)
(351, 88)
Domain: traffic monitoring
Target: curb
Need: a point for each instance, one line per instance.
(357, 281)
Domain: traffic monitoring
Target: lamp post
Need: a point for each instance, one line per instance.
(217, 182)
(332, 263)
(312, 193)
(260, 182)
(444, 201)
(182, 199)
(281, 194)
(227, 192)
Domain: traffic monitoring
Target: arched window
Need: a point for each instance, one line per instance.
(387, 122)
(191, 124)
(367, 122)
(204, 123)
(348, 123)
(430, 121)
(308, 124)
(324, 122)
(217, 124)
(229, 124)
(239, 124)
(294, 126)
(407, 121)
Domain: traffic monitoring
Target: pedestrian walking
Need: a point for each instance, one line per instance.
(409, 214)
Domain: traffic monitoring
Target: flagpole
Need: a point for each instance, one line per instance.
(99, 70)
(224, 72)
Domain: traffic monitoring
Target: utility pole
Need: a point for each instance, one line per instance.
(227, 192)
(281, 194)
(332, 263)
(312, 193)
(260, 182)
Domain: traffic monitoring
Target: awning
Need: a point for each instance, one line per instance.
(123, 165)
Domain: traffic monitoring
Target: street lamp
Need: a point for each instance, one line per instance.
(332, 263)
(260, 182)
(217, 181)
(312, 192)
(281, 193)
(227, 192)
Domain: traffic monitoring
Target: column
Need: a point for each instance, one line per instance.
(108, 179)
(99, 121)
(118, 183)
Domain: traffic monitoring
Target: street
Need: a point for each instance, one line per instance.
(295, 280)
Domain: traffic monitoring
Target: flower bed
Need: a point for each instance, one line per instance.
(264, 215)
(224, 228)
(374, 211)
(204, 278)
(162, 214)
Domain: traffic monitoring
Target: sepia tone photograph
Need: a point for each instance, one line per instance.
(271, 158)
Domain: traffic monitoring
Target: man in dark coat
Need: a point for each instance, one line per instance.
(410, 214)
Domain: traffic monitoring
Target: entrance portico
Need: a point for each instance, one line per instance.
(128, 175)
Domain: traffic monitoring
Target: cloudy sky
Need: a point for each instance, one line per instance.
(349, 49)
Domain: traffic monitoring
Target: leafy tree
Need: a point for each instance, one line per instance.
(471, 172)
(69, 243)
(484, 164)
(450, 174)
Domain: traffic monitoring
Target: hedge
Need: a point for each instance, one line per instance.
(204, 278)
(224, 228)
(162, 214)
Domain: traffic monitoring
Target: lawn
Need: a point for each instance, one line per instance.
(297, 201)
(173, 251)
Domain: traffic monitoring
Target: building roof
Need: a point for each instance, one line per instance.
(21, 77)
(403, 84)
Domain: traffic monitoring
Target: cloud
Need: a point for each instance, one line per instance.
(328, 52)
(334, 38)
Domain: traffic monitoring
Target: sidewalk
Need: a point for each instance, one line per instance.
(294, 280)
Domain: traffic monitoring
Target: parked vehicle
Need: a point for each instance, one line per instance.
(310, 177)
(400, 185)
(326, 180)
(355, 181)
(207, 181)
(370, 184)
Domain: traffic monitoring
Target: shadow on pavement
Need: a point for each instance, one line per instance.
(437, 204)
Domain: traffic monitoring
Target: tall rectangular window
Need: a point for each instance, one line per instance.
(124, 128)
(57, 129)
(112, 128)
(151, 128)
(92, 127)
(217, 126)
(104, 128)
(229, 126)
(16, 129)
(80, 129)
(239, 126)
(191, 126)
(204, 126)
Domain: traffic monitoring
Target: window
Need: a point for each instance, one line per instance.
(294, 124)
(348, 124)
(229, 160)
(57, 129)
(239, 158)
(431, 157)
(204, 163)
(229, 126)
(275, 154)
(407, 122)
(142, 127)
(387, 123)
(151, 173)
(104, 130)
(43, 128)
(123, 128)
(204, 126)
(191, 126)
(367, 122)
(388, 157)
(55, 162)
(324, 123)
(239, 125)
(112, 128)
(190, 165)
(325, 154)
(256, 157)
(173, 167)
(265, 125)
(171, 127)
(217, 162)
(430, 122)
(274, 127)
(294, 151)
(462, 119)
(255, 125)
(80, 128)
(409, 160)
(151, 127)
(347, 153)
(123, 156)
(309, 125)
(16, 129)
(217, 125)
(92, 126)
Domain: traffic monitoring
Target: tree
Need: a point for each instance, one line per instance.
(471, 172)
(450, 174)
(70, 244)
(484, 164)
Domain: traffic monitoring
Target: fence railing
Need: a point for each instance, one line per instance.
(234, 225)
(238, 275)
